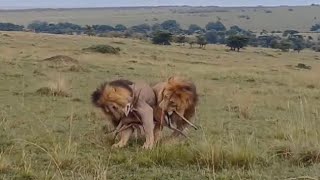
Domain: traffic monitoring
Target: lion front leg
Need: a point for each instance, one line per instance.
(124, 138)
(146, 113)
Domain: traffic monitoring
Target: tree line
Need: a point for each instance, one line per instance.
(171, 31)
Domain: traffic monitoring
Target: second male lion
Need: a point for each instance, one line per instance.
(117, 99)
(176, 102)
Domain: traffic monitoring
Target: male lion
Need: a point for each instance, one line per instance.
(126, 102)
(176, 102)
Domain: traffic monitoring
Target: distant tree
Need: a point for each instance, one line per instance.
(60, 28)
(285, 45)
(211, 37)
(217, 26)
(102, 28)
(297, 42)
(10, 27)
(120, 28)
(162, 38)
(274, 44)
(180, 39)
(201, 40)
(236, 28)
(289, 32)
(142, 28)
(264, 32)
(156, 27)
(171, 26)
(266, 40)
(192, 41)
(89, 30)
(315, 27)
(237, 42)
(221, 37)
(194, 28)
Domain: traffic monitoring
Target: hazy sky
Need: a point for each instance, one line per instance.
(115, 3)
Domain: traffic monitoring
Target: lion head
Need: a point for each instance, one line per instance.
(114, 98)
(178, 95)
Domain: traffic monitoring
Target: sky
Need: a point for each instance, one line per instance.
(18, 4)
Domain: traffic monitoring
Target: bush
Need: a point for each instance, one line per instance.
(212, 37)
(162, 38)
(102, 28)
(315, 27)
(10, 27)
(237, 42)
(105, 49)
(60, 28)
(171, 26)
(142, 28)
(218, 26)
(120, 27)
(285, 45)
(180, 39)
(194, 28)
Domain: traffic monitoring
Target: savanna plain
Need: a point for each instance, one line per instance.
(258, 111)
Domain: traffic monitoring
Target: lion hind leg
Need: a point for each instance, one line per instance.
(124, 138)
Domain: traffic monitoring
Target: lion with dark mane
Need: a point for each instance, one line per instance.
(176, 102)
(127, 103)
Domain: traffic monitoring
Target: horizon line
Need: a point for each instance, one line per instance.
(159, 6)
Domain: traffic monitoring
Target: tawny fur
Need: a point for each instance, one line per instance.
(114, 96)
(176, 94)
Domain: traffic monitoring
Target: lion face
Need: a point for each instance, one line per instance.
(113, 100)
(178, 95)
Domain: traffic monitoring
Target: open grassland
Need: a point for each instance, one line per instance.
(258, 113)
(255, 18)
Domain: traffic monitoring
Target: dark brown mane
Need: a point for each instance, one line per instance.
(122, 83)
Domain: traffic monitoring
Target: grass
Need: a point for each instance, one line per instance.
(258, 113)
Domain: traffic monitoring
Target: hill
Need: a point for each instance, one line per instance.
(300, 18)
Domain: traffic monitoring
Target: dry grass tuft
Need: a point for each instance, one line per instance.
(61, 59)
(55, 88)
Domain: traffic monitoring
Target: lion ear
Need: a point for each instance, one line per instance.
(112, 89)
(187, 89)
(170, 78)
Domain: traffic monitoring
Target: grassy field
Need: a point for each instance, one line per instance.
(255, 18)
(258, 112)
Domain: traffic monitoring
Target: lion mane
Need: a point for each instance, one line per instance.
(117, 92)
(178, 94)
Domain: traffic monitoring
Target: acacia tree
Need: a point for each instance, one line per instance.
(162, 38)
(237, 42)
(201, 40)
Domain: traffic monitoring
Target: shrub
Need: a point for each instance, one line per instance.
(218, 26)
(10, 27)
(171, 26)
(105, 49)
(162, 38)
(237, 42)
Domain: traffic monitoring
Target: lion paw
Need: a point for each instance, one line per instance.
(118, 145)
(147, 146)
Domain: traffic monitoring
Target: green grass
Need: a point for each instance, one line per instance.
(301, 18)
(258, 113)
